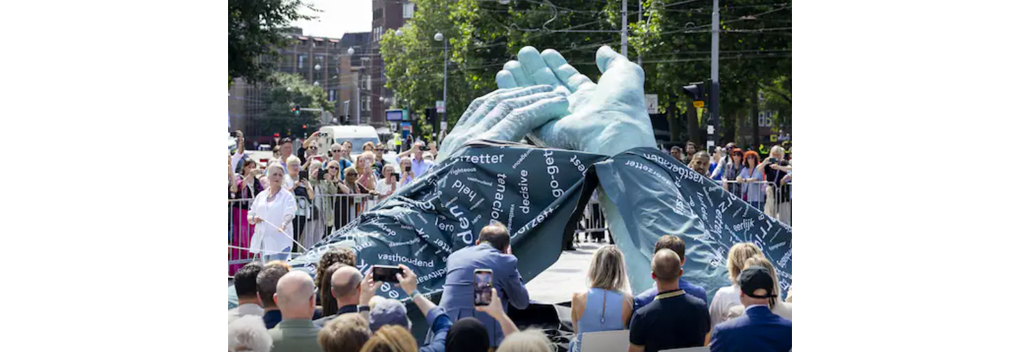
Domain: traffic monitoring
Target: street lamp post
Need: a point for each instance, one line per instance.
(439, 38)
(357, 89)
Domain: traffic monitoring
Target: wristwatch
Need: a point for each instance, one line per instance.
(414, 293)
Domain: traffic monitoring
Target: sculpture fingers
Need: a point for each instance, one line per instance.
(535, 67)
(505, 79)
(478, 110)
(464, 120)
(505, 109)
(522, 121)
(571, 78)
(520, 76)
(622, 83)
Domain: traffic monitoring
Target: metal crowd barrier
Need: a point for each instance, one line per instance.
(775, 200)
(592, 225)
(316, 218)
(320, 216)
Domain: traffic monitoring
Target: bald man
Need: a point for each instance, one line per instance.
(491, 251)
(295, 296)
(346, 288)
(674, 319)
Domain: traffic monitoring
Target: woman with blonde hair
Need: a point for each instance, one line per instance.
(531, 340)
(391, 338)
(776, 305)
(272, 212)
(729, 296)
(608, 304)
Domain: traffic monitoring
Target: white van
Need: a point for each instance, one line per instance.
(358, 135)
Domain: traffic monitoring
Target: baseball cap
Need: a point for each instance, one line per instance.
(388, 312)
(753, 278)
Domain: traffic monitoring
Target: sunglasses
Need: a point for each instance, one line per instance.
(334, 168)
(313, 148)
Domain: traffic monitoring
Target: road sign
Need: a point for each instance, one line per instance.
(440, 106)
(652, 103)
(699, 103)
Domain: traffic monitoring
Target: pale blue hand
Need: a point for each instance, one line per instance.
(607, 118)
(506, 114)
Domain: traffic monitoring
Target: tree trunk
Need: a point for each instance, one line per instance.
(756, 130)
(693, 128)
(672, 118)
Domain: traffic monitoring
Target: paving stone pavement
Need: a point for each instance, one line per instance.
(566, 276)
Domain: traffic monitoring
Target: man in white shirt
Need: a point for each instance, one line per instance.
(419, 166)
(247, 292)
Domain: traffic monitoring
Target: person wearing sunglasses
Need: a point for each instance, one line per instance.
(341, 155)
(329, 184)
(309, 148)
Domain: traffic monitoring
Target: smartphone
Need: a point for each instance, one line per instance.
(407, 169)
(423, 148)
(385, 273)
(483, 287)
(302, 175)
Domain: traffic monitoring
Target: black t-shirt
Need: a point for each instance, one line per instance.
(673, 322)
(775, 176)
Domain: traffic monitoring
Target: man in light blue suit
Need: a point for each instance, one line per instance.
(758, 329)
(491, 251)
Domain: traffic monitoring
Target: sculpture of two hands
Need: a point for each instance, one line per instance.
(544, 97)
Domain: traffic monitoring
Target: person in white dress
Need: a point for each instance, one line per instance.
(272, 212)
(728, 297)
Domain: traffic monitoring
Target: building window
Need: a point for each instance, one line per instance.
(408, 10)
(332, 95)
(366, 103)
(304, 42)
(301, 60)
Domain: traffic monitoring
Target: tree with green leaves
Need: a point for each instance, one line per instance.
(282, 92)
(483, 35)
(675, 42)
(255, 29)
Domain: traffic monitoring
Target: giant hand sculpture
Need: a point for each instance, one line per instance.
(542, 95)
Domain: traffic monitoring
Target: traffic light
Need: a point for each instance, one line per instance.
(296, 109)
(697, 91)
(304, 127)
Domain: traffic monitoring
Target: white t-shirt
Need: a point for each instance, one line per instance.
(725, 298)
(383, 188)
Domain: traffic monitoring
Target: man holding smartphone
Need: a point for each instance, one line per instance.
(777, 202)
(418, 164)
(493, 260)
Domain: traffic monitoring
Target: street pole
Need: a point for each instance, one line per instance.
(640, 12)
(357, 97)
(623, 31)
(713, 100)
(445, 64)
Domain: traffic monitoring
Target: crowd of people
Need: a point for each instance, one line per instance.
(765, 184)
(323, 191)
(284, 310)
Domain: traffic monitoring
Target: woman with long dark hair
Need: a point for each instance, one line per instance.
(752, 189)
(247, 185)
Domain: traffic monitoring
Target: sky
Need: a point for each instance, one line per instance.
(338, 17)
